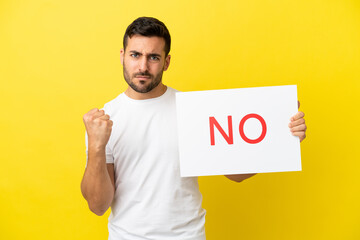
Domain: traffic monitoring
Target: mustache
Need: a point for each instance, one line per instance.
(146, 73)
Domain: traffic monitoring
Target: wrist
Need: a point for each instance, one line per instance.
(96, 145)
(96, 154)
(96, 148)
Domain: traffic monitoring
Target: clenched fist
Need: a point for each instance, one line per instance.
(98, 126)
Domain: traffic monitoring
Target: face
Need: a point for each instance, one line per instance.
(143, 62)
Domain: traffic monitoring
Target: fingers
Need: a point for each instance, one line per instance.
(296, 122)
(299, 128)
(95, 115)
(297, 125)
(301, 135)
(98, 114)
(297, 116)
(298, 104)
(105, 117)
(92, 111)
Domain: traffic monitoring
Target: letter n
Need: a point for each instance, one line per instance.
(228, 138)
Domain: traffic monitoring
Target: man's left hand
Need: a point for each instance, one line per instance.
(297, 125)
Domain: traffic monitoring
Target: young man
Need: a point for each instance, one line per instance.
(133, 163)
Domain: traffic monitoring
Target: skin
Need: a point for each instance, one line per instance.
(143, 63)
(97, 185)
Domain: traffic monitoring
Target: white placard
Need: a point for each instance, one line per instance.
(237, 131)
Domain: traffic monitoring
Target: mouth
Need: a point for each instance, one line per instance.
(143, 77)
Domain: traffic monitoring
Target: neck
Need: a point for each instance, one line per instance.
(156, 92)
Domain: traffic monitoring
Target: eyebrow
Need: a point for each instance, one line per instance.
(150, 54)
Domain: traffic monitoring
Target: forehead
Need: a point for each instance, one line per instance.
(146, 44)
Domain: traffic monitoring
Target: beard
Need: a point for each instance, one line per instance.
(142, 86)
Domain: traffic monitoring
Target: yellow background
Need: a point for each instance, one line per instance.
(58, 59)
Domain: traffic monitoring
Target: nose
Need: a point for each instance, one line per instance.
(143, 64)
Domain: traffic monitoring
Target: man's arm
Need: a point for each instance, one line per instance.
(239, 177)
(97, 185)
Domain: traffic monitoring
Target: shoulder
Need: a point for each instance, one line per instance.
(113, 104)
(172, 89)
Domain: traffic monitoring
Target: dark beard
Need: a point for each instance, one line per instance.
(153, 84)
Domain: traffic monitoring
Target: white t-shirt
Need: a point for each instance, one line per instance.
(151, 200)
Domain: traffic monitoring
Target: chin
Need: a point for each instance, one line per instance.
(140, 88)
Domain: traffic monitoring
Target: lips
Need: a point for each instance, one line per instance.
(143, 77)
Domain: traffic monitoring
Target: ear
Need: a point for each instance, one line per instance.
(122, 52)
(167, 62)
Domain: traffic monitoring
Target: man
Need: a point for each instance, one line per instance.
(133, 163)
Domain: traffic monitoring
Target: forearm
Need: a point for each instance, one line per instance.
(96, 186)
(239, 177)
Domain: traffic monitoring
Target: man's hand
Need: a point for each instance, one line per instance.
(98, 126)
(297, 124)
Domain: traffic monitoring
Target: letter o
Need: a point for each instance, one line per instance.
(241, 128)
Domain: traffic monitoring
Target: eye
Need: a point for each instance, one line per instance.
(135, 55)
(154, 58)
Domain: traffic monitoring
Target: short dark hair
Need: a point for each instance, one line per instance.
(149, 27)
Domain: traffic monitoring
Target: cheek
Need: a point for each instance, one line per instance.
(130, 66)
(158, 67)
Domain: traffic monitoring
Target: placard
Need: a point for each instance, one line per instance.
(237, 131)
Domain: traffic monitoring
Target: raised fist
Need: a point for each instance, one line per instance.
(98, 126)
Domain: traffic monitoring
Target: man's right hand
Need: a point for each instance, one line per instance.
(98, 127)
